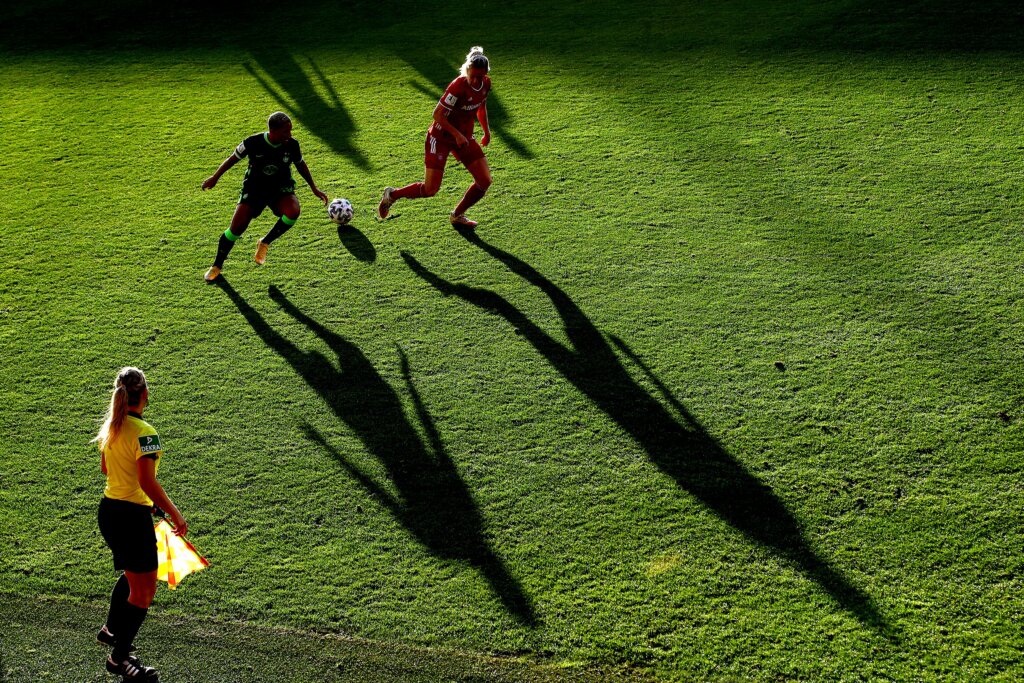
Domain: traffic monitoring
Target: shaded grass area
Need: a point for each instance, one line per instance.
(55, 641)
(573, 27)
(728, 385)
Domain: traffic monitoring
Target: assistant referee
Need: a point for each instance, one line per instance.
(130, 455)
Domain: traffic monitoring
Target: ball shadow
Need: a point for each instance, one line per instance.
(357, 243)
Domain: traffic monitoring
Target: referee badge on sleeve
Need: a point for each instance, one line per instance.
(149, 444)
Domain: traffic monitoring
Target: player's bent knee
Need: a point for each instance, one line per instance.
(290, 220)
(430, 191)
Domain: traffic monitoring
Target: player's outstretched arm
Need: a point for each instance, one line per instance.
(212, 180)
(303, 170)
(481, 116)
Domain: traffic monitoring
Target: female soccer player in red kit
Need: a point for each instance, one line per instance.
(452, 133)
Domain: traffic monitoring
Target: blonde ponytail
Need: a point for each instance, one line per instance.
(475, 58)
(128, 388)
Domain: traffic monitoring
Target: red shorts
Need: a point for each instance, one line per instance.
(436, 151)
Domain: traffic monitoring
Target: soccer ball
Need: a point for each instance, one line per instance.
(340, 211)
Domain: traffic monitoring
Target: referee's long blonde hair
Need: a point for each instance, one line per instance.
(128, 388)
(475, 53)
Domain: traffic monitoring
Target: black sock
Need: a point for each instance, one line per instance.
(223, 249)
(280, 228)
(131, 620)
(118, 598)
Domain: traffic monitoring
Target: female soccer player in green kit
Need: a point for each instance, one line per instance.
(268, 182)
(130, 455)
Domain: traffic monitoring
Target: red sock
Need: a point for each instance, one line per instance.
(472, 196)
(414, 191)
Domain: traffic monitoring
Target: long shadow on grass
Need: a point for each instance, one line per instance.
(677, 444)
(433, 502)
(439, 72)
(281, 75)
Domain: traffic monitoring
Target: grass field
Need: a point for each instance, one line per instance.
(727, 385)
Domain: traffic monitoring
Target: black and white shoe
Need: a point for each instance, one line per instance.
(105, 637)
(132, 669)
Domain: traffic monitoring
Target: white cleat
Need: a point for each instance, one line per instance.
(386, 202)
(460, 221)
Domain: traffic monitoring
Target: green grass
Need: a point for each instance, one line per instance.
(566, 441)
(201, 649)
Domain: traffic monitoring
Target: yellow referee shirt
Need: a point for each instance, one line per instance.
(137, 439)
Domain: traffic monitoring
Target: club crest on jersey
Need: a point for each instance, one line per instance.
(149, 444)
(286, 158)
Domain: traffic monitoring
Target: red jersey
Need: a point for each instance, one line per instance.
(462, 101)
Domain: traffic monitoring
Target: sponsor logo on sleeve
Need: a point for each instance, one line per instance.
(149, 444)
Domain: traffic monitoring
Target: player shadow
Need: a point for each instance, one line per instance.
(675, 441)
(281, 75)
(439, 72)
(357, 243)
(432, 501)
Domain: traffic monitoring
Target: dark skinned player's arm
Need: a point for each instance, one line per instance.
(303, 170)
(221, 170)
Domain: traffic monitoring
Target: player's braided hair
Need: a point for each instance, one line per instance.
(128, 388)
(475, 58)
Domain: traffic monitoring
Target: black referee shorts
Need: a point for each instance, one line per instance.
(128, 530)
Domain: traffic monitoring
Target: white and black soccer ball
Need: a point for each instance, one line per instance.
(340, 211)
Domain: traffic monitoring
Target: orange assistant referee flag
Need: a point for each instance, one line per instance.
(178, 558)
